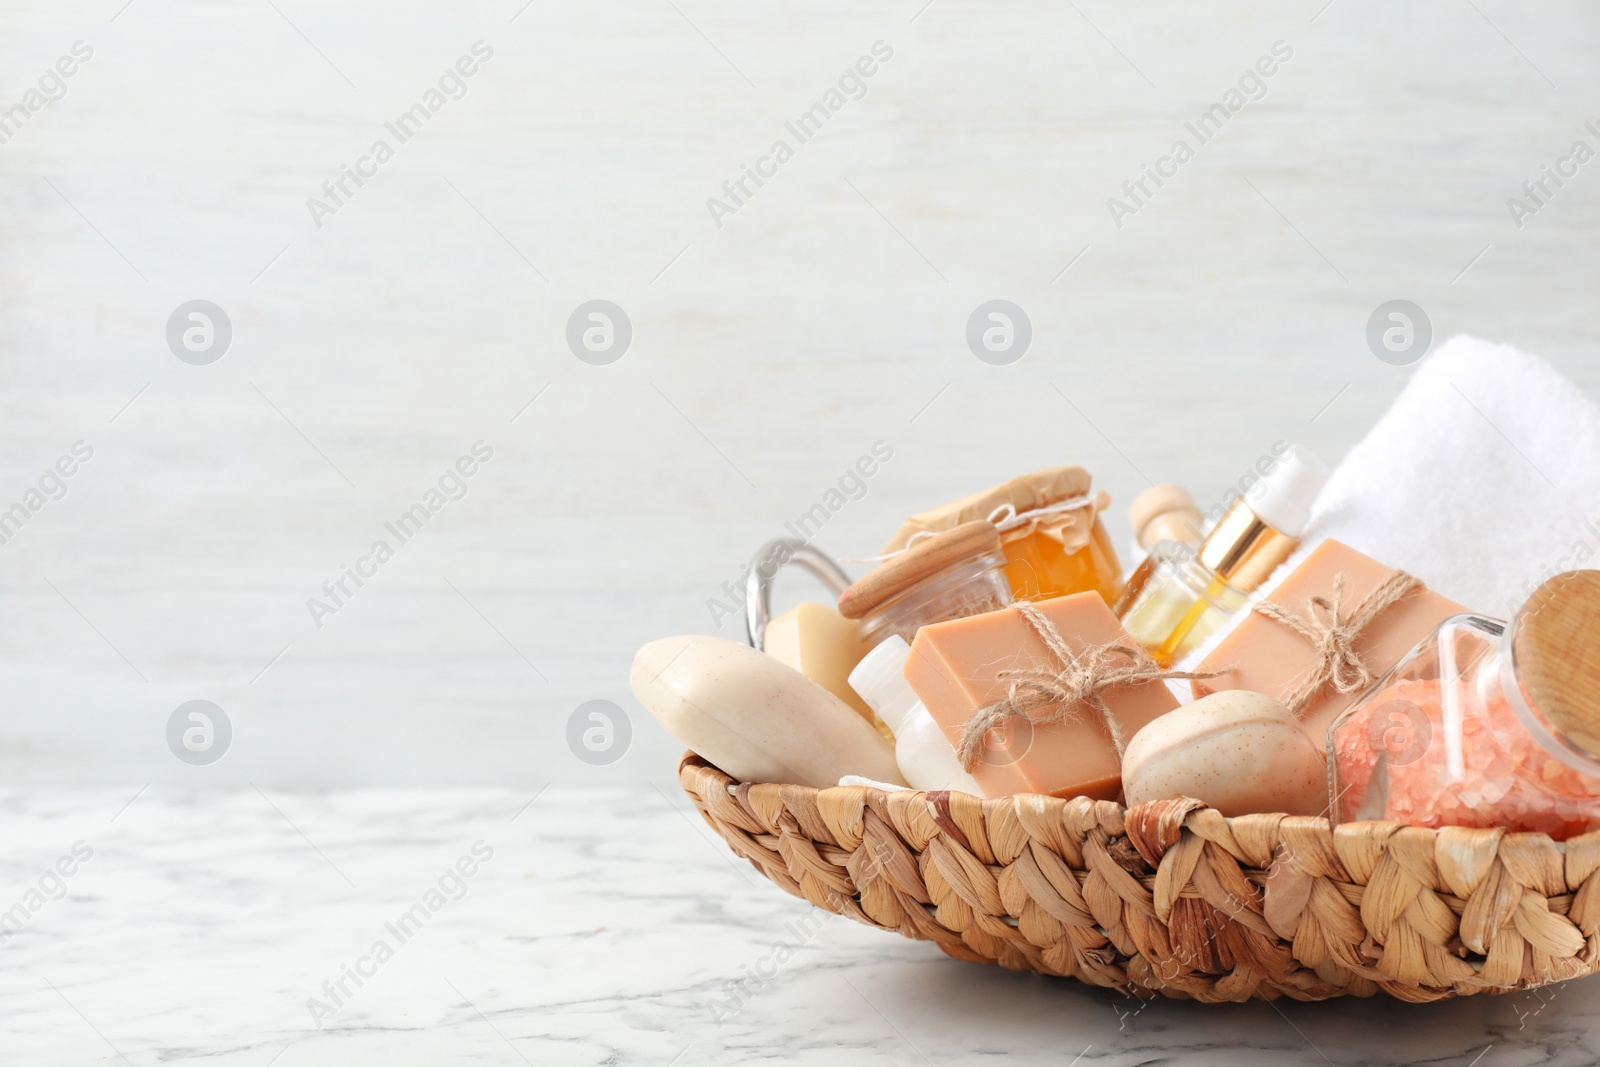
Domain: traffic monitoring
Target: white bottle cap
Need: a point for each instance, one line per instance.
(1283, 499)
(881, 681)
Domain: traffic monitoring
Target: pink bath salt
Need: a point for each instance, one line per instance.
(1509, 779)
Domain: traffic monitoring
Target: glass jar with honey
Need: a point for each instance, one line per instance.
(1051, 534)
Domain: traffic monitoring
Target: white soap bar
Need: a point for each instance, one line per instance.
(821, 644)
(754, 717)
(1242, 753)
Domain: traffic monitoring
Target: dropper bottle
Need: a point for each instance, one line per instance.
(1180, 595)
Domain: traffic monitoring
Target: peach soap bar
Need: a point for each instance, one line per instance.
(954, 668)
(1267, 657)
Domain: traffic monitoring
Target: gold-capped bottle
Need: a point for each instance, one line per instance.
(1180, 595)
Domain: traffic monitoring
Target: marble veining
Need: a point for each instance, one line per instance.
(605, 926)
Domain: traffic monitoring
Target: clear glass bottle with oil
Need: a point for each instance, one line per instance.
(1182, 594)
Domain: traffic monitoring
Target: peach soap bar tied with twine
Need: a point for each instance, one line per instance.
(1039, 697)
(1332, 628)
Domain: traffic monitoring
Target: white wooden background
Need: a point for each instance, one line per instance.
(767, 354)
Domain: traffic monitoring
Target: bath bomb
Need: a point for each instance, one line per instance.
(1240, 752)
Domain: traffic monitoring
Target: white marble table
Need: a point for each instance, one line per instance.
(605, 927)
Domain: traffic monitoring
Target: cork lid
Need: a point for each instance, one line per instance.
(1157, 502)
(921, 561)
(1557, 646)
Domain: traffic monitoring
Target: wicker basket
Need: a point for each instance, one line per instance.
(1172, 898)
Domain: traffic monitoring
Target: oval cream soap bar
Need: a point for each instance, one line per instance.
(1242, 753)
(756, 718)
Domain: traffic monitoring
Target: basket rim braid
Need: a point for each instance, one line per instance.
(1171, 898)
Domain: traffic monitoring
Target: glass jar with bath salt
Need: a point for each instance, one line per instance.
(1051, 535)
(1484, 724)
(950, 575)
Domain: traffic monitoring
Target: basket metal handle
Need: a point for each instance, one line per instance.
(764, 567)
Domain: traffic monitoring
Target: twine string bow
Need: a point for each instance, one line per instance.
(1332, 635)
(1004, 518)
(1044, 695)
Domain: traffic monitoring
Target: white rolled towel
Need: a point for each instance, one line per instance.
(1482, 479)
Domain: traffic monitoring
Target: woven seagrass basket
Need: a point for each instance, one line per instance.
(1171, 898)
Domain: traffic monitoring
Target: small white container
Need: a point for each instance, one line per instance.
(927, 760)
